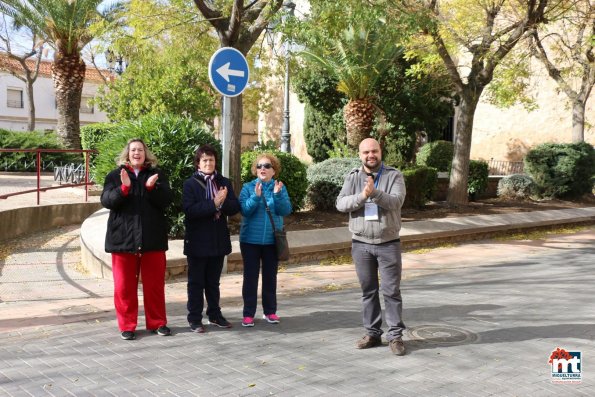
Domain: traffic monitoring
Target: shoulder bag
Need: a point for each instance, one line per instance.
(280, 236)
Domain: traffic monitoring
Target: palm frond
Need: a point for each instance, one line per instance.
(62, 23)
(358, 58)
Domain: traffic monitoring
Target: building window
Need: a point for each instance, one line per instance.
(86, 106)
(14, 98)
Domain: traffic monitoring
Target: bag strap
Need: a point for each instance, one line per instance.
(201, 183)
(269, 212)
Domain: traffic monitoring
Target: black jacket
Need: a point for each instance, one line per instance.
(137, 221)
(205, 235)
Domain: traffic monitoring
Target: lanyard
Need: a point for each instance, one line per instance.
(378, 176)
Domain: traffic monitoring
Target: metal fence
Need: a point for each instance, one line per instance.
(72, 174)
(501, 167)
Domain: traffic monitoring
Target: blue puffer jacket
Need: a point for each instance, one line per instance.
(256, 225)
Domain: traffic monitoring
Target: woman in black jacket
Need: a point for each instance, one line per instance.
(137, 194)
(208, 199)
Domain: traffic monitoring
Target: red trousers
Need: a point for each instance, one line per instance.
(126, 269)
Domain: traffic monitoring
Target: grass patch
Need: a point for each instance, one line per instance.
(421, 251)
(337, 260)
(542, 234)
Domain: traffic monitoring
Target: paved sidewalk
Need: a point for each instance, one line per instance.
(476, 327)
(482, 317)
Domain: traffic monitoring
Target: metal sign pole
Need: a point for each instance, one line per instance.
(225, 136)
(229, 75)
(225, 143)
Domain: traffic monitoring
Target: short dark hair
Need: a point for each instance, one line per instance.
(204, 149)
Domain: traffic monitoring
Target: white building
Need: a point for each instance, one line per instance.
(14, 108)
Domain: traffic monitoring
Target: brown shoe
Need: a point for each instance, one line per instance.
(368, 341)
(397, 346)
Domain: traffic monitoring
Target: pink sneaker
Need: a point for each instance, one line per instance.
(272, 318)
(248, 322)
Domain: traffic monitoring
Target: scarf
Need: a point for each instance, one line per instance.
(212, 187)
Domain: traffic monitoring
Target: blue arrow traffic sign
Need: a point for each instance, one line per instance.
(228, 71)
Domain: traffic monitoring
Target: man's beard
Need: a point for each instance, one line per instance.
(374, 168)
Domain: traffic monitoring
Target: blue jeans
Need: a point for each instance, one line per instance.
(371, 259)
(204, 275)
(253, 255)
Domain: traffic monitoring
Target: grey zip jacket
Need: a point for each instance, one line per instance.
(389, 196)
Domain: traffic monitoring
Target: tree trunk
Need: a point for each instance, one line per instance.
(578, 121)
(68, 72)
(31, 102)
(235, 161)
(459, 175)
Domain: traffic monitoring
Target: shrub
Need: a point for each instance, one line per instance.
(322, 131)
(33, 140)
(516, 186)
(173, 139)
(293, 174)
(478, 178)
(562, 170)
(325, 180)
(421, 184)
(398, 149)
(93, 134)
(436, 154)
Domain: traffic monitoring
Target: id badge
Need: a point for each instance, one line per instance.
(371, 212)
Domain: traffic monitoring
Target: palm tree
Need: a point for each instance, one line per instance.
(66, 26)
(358, 58)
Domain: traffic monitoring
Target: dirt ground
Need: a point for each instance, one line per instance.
(304, 220)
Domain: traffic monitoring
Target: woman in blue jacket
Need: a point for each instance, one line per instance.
(208, 199)
(257, 241)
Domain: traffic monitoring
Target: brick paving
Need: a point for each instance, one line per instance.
(475, 328)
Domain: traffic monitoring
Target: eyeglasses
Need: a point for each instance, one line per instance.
(267, 166)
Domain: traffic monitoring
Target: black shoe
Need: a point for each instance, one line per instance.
(128, 335)
(219, 321)
(198, 328)
(163, 331)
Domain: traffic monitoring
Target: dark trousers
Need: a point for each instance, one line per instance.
(253, 255)
(125, 270)
(204, 275)
(371, 259)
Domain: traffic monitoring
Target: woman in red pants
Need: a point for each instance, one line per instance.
(137, 194)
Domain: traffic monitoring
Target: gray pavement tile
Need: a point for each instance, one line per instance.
(515, 315)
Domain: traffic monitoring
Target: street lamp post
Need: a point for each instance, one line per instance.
(115, 62)
(285, 134)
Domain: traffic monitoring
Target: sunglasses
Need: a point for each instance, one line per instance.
(267, 166)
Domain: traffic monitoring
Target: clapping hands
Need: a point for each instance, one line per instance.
(220, 197)
(369, 188)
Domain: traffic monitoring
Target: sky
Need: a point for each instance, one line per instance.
(20, 42)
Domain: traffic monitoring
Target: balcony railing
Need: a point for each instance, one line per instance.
(501, 167)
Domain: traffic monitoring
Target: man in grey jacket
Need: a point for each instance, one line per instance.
(373, 195)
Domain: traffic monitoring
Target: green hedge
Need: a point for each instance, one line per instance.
(437, 154)
(421, 183)
(478, 178)
(174, 140)
(325, 180)
(293, 174)
(33, 140)
(516, 186)
(562, 170)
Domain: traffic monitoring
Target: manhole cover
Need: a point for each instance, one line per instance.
(441, 334)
